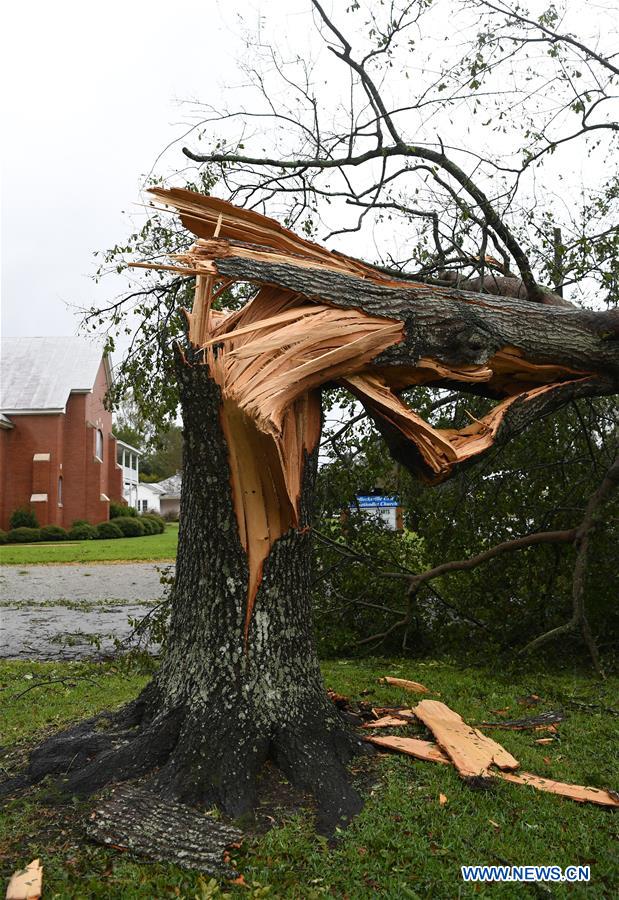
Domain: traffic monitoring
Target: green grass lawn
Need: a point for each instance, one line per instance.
(405, 844)
(152, 546)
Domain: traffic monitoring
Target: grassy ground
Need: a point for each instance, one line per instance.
(150, 547)
(405, 844)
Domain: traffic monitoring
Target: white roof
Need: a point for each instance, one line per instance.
(171, 486)
(39, 373)
(151, 486)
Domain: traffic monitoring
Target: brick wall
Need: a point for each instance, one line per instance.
(37, 434)
(65, 447)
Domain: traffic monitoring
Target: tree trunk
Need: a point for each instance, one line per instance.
(240, 681)
(224, 702)
(245, 700)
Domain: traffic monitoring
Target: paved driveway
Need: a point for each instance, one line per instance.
(48, 612)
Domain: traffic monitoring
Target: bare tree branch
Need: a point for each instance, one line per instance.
(584, 533)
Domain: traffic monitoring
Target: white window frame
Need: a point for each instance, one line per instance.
(98, 444)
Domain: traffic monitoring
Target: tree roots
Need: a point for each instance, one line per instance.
(192, 756)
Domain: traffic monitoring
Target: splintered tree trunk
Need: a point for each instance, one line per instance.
(232, 691)
(244, 697)
(240, 682)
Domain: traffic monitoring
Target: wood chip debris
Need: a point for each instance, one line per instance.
(340, 700)
(473, 754)
(400, 712)
(26, 884)
(406, 685)
(388, 722)
(536, 723)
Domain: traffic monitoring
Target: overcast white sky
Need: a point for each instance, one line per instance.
(92, 95)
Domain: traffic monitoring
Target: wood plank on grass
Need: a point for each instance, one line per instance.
(574, 791)
(472, 753)
(404, 683)
(425, 750)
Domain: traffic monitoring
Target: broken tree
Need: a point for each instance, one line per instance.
(240, 681)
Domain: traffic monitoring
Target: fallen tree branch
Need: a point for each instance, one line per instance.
(532, 722)
(578, 704)
(529, 540)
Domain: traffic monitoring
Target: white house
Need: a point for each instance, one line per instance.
(162, 497)
(149, 498)
(128, 458)
(170, 497)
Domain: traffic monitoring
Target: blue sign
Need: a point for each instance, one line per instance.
(369, 502)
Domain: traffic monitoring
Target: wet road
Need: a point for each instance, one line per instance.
(53, 612)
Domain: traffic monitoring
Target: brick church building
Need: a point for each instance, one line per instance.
(57, 451)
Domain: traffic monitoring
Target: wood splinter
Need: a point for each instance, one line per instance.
(26, 884)
(472, 753)
(414, 686)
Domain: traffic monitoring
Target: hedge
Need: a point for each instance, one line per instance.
(107, 530)
(23, 535)
(118, 510)
(130, 526)
(158, 521)
(148, 525)
(54, 533)
(23, 518)
(122, 526)
(82, 533)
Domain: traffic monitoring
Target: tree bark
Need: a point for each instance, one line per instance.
(221, 704)
(455, 326)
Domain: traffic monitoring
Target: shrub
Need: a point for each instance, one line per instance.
(2, 536)
(107, 530)
(23, 518)
(83, 532)
(157, 521)
(129, 525)
(148, 526)
(77, 522)
(53, 533)
(23, 535)
(118, 510)
(170, 517)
